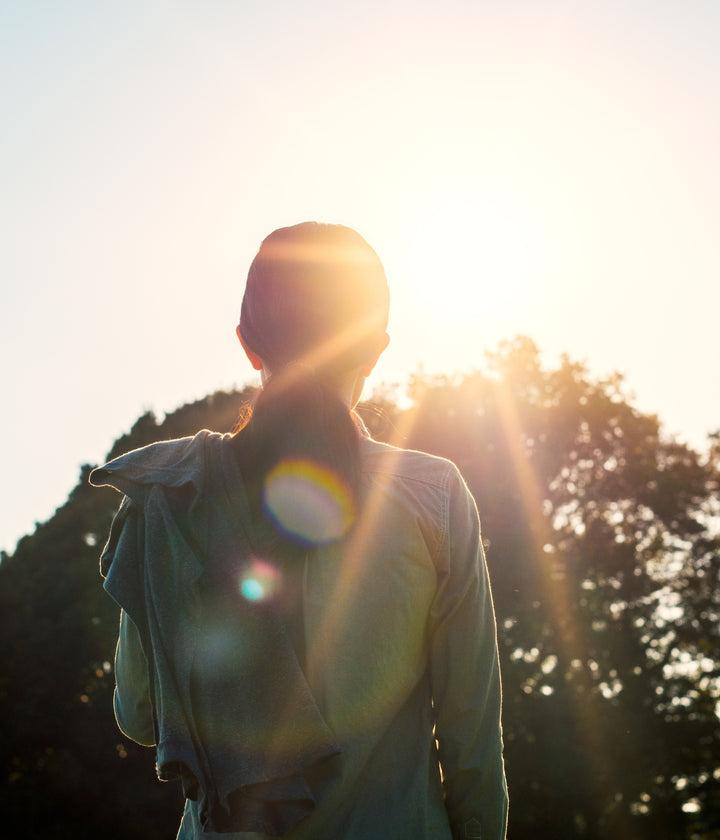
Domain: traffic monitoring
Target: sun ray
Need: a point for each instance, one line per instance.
(555, 588)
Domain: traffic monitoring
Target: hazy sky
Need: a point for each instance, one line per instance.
(546, 168)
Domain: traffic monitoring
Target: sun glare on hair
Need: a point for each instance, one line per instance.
(308, 502)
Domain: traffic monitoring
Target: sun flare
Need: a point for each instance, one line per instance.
(464, 255)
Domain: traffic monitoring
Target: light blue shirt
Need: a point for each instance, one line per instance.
(401, 659)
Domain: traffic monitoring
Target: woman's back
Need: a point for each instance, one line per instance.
(356, 615)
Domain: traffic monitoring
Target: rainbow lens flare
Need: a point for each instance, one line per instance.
(308, 502)
(259, 581)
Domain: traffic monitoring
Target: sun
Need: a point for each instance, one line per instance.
(464, 254)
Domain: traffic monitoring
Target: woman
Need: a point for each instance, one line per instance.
(307, 632)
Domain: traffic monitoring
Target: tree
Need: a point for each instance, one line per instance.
(603, 549)
(605, 568)
(67, 770)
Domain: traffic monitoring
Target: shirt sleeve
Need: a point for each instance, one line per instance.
(466, 678)
(131, 701)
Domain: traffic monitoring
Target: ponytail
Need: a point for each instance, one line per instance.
(301, 433)
(315, 308)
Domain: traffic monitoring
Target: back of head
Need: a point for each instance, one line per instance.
(317, 294)
(315, 309)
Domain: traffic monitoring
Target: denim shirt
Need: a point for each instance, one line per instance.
(400, 655)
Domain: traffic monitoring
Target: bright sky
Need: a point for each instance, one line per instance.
(541, 168)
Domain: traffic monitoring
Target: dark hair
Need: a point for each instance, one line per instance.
(315, 307)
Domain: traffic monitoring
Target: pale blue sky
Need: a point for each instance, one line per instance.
(551, 167)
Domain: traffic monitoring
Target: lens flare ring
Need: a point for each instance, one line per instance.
(308, 502)
(259, 581)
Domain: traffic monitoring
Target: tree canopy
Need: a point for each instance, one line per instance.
(603, 545)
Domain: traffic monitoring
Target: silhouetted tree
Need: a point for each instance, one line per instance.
(67, 770)
(605, 562)
(604, 553)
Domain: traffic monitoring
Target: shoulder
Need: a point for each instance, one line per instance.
(409, 464)
(435, 483)
(409, 491)
(170, 463)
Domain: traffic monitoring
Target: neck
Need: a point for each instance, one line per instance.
(349, 388)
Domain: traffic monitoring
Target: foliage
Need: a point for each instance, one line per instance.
(605, 572)
(67, 770)
(603, 548)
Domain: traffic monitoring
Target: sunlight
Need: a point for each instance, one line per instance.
(465, 254)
